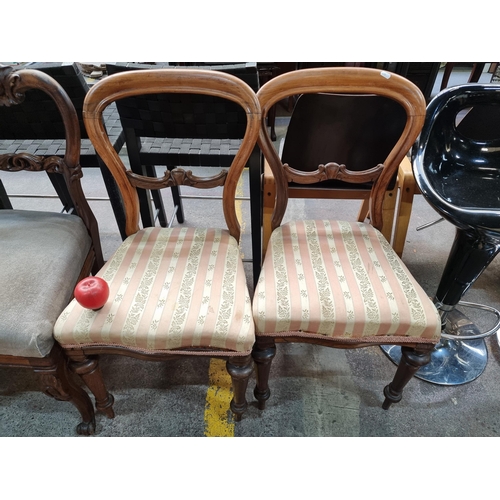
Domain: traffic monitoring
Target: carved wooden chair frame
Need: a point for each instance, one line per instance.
(336, 81)
(122, 85)
(52, 370)
(351, 81)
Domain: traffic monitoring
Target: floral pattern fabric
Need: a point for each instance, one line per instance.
(340, 280)
(169, 289)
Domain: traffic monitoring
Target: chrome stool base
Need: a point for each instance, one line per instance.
(453, 362)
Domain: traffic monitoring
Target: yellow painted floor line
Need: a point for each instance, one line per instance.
(218, 418)
(219, 395)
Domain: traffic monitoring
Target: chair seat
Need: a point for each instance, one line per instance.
(310, 264)
(169, 289)
(41, 255)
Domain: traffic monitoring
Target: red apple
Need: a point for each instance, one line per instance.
(92, 292)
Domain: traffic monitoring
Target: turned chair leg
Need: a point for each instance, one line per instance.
(90, 372)
(263, 353)
(411, 360)
(56, 381)
(239, 368)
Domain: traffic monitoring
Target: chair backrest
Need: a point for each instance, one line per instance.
(185, 115)
(39, 117)
(358, 131)
(246, 71)
(349, 81)
(456, 161)
(158, 82)
(15, 89)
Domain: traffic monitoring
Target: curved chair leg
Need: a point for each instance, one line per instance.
(411, 360)
(240, 368)
(90, 372)
(263, 353)
(56, 381)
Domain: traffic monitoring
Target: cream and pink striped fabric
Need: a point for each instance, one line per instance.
(169, 289)
(340, 280)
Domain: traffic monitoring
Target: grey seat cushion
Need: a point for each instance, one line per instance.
(41, 257)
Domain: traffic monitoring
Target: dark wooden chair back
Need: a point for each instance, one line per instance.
(37, 126)
(17, 87)
(39, 117)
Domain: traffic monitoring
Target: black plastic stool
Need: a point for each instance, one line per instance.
(456, 164)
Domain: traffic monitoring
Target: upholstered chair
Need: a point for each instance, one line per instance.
(44, 254)
(174, 292)
(338, 283)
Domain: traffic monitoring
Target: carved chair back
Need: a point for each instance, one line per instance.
(214, 85)
(13, 87)
(38, 126)
(39, 117)
(348, 81)
(358, 131)
(189, 130)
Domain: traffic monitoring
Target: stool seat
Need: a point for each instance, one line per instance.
(457, 161)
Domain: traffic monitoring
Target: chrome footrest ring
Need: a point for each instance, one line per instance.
(476, 336)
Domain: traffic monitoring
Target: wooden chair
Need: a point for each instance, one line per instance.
(177, 291)
(338, 283)
(44, 254)
(357, 130)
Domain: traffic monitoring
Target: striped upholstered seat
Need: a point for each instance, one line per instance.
(164, 299)
(340, 280)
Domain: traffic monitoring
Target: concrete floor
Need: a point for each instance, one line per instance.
(315, 391)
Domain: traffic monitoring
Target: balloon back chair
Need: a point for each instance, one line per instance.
(178, 291)
(44, 254)
(357, 130)
(338, 283)
(456, 163)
